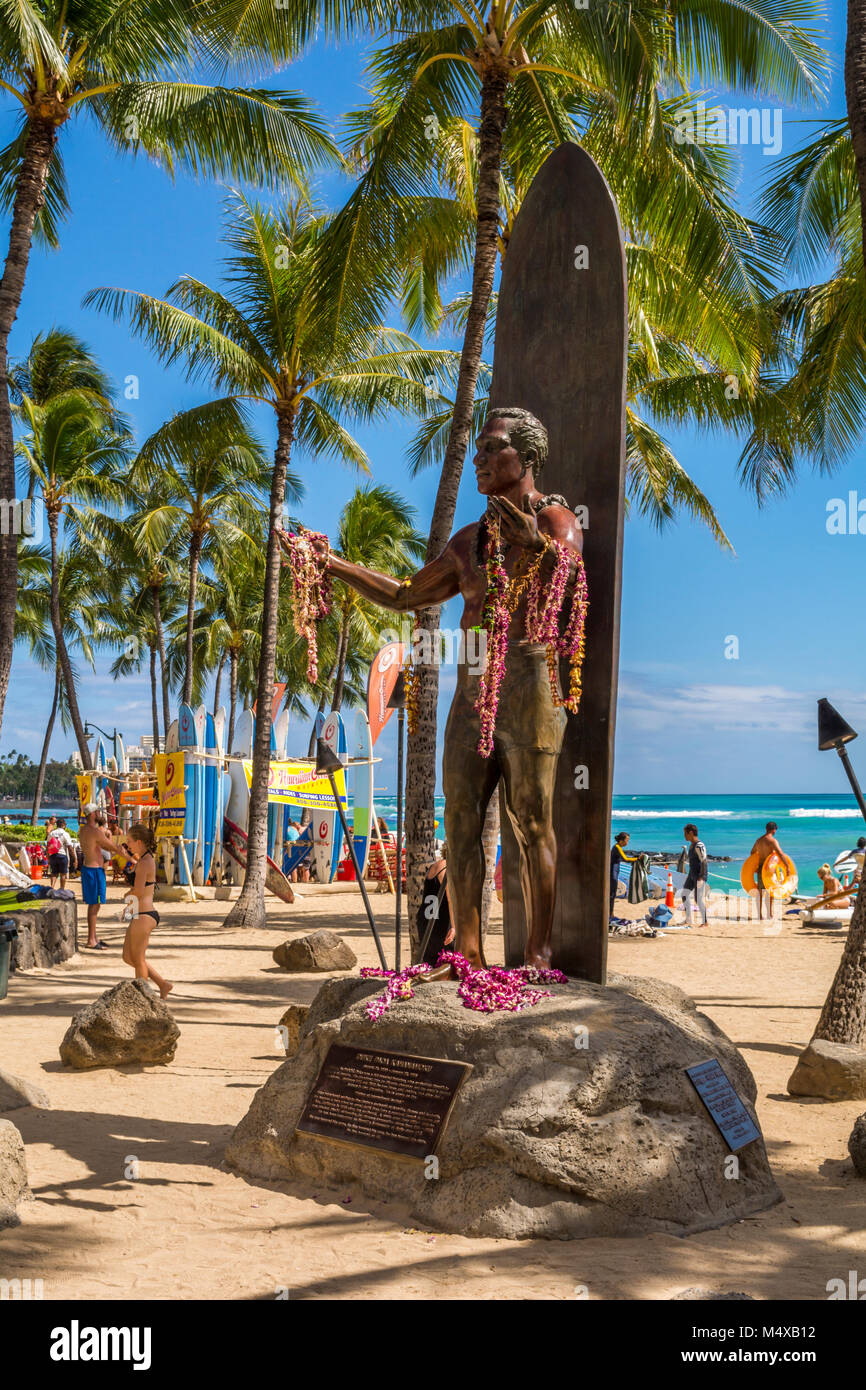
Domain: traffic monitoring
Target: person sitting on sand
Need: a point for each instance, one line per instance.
(95, 844)
(135, 942)
(764, 846)
(831, 884)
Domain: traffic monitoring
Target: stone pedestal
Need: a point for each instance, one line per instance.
(578, 1118)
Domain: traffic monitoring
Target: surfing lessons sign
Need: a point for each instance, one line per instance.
(297, 784)
(386, 667)
(172, 793)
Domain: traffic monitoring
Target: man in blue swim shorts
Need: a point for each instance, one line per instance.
(94, 839)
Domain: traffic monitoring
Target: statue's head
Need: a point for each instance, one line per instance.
(511, 444)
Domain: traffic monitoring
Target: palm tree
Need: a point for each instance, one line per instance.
(131, 627)
(376, 530)
(84, 627)
(271, 337)
(523, 76)
(130, 69)
(815, 207)
(74, 454)
(140, 587)
(208, 475)
(855, 96)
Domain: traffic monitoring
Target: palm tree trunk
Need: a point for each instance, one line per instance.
(843, 1017)
(342, 655)
(40, 775)
(60, 647)
(855, 95)
(421, 753)
(217, 683)
(29, 197)
(154, 703)
(163, 664)
(233, 696)
(249, 909)
(194, 554)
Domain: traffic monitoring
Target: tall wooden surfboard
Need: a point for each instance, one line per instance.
(561, 341)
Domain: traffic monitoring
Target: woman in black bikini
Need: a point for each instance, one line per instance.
(138, 932)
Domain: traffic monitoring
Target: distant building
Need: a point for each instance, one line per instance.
(75, 759)
(136, 757)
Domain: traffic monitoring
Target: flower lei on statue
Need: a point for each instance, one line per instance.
(311, 591)
(488, 990)
(544, 604)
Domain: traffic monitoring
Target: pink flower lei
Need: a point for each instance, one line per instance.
(488, 990)
(311, 591)
(544, 604)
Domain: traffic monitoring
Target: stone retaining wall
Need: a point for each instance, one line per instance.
(46, 935)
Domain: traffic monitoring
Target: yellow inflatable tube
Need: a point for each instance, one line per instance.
(779, 875)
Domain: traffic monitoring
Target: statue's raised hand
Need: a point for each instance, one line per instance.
(517, 526)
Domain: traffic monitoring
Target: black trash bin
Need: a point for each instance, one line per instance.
(8, 933)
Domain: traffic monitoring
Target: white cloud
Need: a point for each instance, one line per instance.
(645, 706)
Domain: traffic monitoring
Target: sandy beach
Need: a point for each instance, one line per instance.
(186, 1228)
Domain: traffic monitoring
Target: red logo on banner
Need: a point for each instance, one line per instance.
(384, 671)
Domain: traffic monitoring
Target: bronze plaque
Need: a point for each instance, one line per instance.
(382, 1100)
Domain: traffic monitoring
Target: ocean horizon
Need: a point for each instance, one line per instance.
(814, 827)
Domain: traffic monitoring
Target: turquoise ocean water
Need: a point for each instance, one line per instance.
(813, 828)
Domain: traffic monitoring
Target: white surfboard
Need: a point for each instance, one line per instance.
(361, 784)
(327, 831)
(168, 854)
(219, 724)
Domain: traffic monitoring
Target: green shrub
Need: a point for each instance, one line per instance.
(29, 834)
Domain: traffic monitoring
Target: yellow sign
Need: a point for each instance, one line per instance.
(85, 788)
(172, 793)
(298, 784)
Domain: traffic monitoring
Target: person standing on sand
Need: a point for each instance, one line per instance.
(618, 856)
(143, 844)
(58, 845)
(94, 841)
(764, 846)
(695, 885)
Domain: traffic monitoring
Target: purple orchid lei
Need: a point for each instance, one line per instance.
(544, 604)
(487, 990)
(311, 592)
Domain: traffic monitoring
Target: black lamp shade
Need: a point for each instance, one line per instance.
(326, 759)
(397, 698)
(832, 729)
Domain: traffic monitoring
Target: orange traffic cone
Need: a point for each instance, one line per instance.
(669, 891)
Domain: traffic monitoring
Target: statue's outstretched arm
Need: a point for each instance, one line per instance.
(433, 584)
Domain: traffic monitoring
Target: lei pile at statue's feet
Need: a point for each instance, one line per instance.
(486, 989)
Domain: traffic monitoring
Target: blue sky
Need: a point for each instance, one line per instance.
(689, 718)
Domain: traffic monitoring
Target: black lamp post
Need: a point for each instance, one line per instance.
(397, 701)
(88, 730)
(328, 763)
(833, 732)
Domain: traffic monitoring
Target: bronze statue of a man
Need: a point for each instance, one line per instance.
(511, 450)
